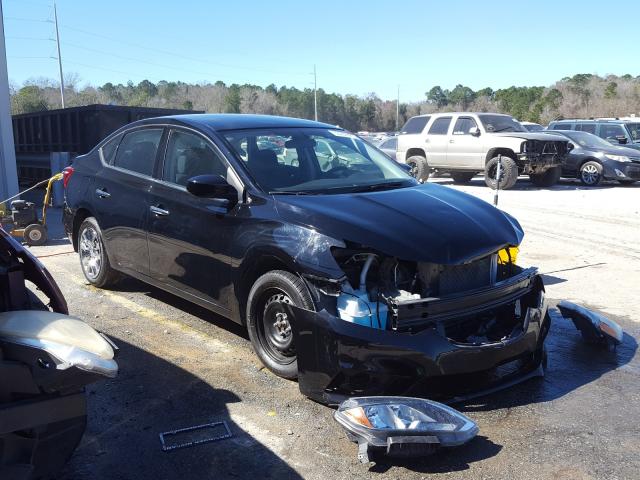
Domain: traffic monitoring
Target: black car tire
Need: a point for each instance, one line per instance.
(548, 178)
(267, 323)
(590, 173)
(35, 235)
(419, 167)
(462, 177)
(627, 182)
(94, 260)
(508, 172)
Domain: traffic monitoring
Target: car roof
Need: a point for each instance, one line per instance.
(237, 121)
(589, 120)
(461, 113)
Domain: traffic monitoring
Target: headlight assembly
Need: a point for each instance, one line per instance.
(402, 425)
(618, 158)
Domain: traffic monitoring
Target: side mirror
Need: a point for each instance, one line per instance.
(405, 167)
(212, 186)
(570, 146)
(621, 139)
(474, 131)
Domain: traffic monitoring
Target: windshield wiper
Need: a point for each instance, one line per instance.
(377, 186)
(501, 129)
(285, 192)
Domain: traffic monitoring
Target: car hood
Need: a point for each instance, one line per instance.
(615, 150)
(550, 137)
(426, 223)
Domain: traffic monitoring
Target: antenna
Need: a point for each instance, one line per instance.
(55, 16)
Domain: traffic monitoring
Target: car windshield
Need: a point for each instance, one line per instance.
(533, 127)
(634, 131)
(500, 123)
(314, 161)
(585, 139)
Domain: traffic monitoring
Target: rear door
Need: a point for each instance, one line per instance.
(121, 196)
(465, 150)
(189, 235)
(437, 142)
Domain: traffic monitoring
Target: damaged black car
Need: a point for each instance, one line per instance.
(349, 274)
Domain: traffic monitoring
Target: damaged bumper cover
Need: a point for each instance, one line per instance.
(338, 359)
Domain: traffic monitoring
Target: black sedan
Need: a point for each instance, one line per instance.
(593, 159)
(348, 274)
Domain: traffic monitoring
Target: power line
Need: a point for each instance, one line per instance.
(21, 57)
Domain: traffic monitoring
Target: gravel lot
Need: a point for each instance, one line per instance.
(183, 366)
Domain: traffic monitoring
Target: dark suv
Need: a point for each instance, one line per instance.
(347, 272)
(617, 132)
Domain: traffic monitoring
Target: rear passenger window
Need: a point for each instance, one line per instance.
(440, 126)
(108, 150)
(562, 126)
(586, 127)
(415, 125)
(463, 125)
(137, 151)
(189, 155)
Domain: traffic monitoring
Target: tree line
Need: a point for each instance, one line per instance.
(582, 95)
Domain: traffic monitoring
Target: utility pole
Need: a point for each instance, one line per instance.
(398, 110)
(315, 92)
(8, 173)
(55, 16)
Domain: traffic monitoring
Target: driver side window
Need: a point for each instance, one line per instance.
(189, 155)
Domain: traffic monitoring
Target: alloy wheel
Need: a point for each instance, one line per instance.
(90, 250)
(590, 174)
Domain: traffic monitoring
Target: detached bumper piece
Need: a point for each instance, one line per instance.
(444, 349)
(595, 328)
(402, 426)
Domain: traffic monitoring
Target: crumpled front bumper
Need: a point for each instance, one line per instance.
(339, 359)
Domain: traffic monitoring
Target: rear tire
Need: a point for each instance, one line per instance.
(547, 178)
(94, 260)
(419, 167)
(267, 323)
(508, 173)
(590, 174)
(462, 177)
(35, 235)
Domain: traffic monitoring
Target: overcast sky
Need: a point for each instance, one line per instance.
(358, 46)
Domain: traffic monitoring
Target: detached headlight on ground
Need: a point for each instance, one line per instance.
(619, 158)
(402, 426)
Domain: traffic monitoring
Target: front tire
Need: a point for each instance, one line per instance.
(94, 260)
(508, 172)
(591, 174)
(268, 324)
(547, 178)
(419, 167)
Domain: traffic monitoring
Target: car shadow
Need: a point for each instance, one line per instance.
(444, 460)
(572, 364)
(151, 396)
(129, 284)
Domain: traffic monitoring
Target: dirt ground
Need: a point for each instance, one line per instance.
(182, 366)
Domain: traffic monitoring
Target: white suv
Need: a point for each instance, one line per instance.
(465, 144)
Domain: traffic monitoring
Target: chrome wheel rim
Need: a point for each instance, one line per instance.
(90, 249)
(590, 174)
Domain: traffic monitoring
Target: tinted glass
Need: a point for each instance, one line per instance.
(316, 160)
(189, 155)
(390, 144)
(415, 125)
(108, 150)
(587, 140)
(440, 126)
(500, 123)
(463, 125)
(611, 131)
(586, 127)
(561, 126)
(137, 151)
(534, 127)
(634, 130)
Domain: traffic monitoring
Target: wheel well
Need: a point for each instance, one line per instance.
(494, 152)
(589, 160)
(78, 218)
(264, 264)
(416, 151)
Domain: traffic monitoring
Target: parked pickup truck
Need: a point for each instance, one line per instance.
(464, 144)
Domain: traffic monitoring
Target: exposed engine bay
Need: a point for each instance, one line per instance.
(391, 294)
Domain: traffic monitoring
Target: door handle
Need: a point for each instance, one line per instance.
(452, 141)
(102, 193)
(161, 212)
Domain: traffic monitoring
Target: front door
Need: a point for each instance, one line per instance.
(121, 190)
(188, 235)
(465, 150)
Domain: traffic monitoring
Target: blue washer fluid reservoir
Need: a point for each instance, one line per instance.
(355, 307)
